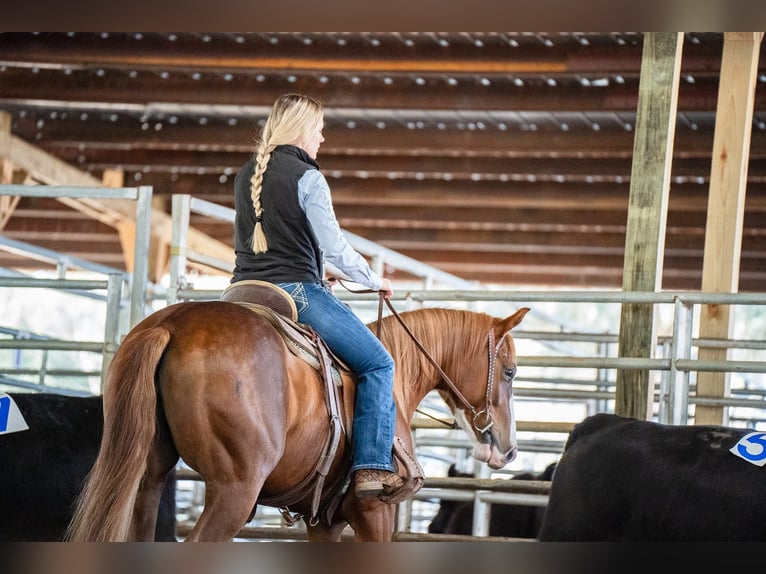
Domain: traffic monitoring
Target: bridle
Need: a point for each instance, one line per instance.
(493, 350)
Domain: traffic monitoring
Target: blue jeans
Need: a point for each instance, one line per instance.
(354, 342)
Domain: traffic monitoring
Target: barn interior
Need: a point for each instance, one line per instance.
(500, 161)
(500, 158)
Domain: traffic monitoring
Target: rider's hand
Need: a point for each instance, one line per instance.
(386, 288)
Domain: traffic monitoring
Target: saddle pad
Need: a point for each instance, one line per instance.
(299, 337)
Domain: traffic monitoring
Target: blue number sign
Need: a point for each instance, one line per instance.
(752, 448)
(11, 419)
(5, 411)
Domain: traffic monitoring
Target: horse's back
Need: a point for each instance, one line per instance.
(193, 315)
(627, 479)
(219, 334)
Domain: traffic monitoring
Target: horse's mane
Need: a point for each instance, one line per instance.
(447, 334)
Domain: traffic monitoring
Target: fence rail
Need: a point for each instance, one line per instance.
(107, 347)
(674, 361)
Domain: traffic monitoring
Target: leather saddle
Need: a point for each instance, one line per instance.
(276, 305)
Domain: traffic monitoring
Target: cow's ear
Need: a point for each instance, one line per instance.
(512, 320)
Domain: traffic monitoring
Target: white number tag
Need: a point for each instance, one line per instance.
(751, 447)
(11, 419)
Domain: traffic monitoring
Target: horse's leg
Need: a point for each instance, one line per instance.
(147, 507)
(161, 459)
(228, 504)
(235, 467)
(322, 533)
(372, 520)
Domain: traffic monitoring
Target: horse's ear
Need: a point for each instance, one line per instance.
(512, 320)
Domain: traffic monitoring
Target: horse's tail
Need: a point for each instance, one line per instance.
(105, 506)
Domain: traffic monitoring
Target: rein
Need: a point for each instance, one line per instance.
(492, 347)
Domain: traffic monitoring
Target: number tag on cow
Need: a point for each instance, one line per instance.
(11, 419)
(751, 447)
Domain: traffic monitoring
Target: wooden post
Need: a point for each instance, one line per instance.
(5, 126)
(159, 244)
(726, 206)
(126, 228)
(7, 175)
(647, 213)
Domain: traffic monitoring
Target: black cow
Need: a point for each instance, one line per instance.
(622, 479)
(507, 520)
(43, 468)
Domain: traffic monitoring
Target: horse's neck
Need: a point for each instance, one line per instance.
(416, 376)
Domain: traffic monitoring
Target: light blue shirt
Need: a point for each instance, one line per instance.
(315, 200)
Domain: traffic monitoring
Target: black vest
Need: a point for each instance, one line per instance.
(293, 253)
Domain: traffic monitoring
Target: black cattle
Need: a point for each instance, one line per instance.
(506, 520)
(43, 468)
(623, 479)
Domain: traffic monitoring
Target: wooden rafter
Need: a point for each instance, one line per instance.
(530, 170)
(117, 213)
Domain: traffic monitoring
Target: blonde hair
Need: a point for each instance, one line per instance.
(292, 118)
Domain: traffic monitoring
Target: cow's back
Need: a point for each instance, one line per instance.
(45, 466)
(625, 479)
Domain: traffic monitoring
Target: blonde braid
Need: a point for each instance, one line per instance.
(292, 117)
(262, 157)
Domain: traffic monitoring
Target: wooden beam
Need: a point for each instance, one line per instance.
(647, 213)
(287, 51)
(8, 175)
(5, 129)
(113, 178)
(380, 163)
(7, 206)
(159, 246)
(180, 89)
(726, 206)
(117, 213)
(126, 228)
(581, 140)
(7, 203)
(53, 171)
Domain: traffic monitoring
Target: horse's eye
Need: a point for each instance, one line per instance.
(509, 373)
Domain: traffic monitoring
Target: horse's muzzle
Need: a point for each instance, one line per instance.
(510, 456)
(489, 453)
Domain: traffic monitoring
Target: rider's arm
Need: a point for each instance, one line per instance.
(315, 200)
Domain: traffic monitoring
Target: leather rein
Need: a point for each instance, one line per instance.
(493, 347)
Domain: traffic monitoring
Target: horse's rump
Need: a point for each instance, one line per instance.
(271, 381)
(255, 391)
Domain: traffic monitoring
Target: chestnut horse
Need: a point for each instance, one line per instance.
(215, 384)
